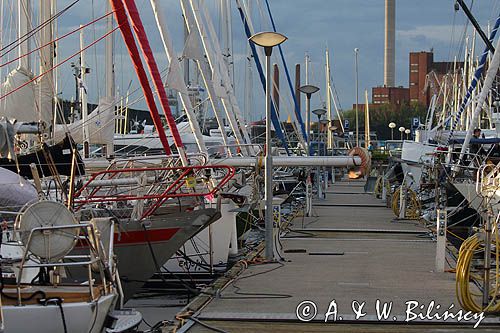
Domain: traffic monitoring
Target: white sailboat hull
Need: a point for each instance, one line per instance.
(79, 317)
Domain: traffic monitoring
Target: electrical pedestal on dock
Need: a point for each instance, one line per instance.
(442, 221)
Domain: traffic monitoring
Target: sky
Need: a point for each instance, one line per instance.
(311, 26)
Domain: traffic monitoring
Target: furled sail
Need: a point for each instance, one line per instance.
(100, 124)
(19, 104)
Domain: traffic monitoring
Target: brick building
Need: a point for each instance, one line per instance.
(421, 65)
(390, 95)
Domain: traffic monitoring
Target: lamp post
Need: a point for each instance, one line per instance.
(319, 113)
(323, 123)
(268, 40)
(308, 89)
(402, 130)
(356, 51)
(407, 132)
(392, 126)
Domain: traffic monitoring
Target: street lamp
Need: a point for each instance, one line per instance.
(356, 51)
(320, 113)
(392, 126)
(308, 89)
(407, 132)
(402, 130)
(268, 40)
(323, 125)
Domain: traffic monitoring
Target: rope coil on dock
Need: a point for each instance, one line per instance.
(469, 273)
(363, 169)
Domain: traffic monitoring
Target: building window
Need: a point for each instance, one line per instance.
(412, 83)
(414, 70)
(414, 65)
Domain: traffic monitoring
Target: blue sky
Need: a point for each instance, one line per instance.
(310, 25)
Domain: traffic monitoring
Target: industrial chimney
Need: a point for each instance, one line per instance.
(389, 49)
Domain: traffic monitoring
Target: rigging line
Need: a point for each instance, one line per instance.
(52, 41)
(461, 43)
(32, 32)
(332, 85)
(59, 64)
(452, 36)
(476, 25)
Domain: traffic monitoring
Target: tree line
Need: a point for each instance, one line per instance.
(383, 114)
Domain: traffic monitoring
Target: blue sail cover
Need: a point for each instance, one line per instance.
(473, 84)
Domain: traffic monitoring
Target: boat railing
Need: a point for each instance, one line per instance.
(97, 257)
(488, 180)
(152, 187)
(469, 162)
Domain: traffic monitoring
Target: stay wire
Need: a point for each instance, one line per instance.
(14, 44)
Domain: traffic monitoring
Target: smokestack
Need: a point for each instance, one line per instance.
(389, 49)
(276, 89)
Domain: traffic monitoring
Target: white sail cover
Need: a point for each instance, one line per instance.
(15, 191)
(19, 105)
(45, 97)
(100, 122)
(192, 48)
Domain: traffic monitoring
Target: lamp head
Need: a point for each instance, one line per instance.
(308, 89)
(268, 39)
(319, 112)
(392, 125)
(401, 129)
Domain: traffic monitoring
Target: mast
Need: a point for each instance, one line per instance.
(24, 22)
(488, 82)
(53, 11)
(46, 82)
(185, 61)
(154, 72)
(83, 97)
(227, 41)
(213, 56)
(175, 80)
(248, 78)
(276, 89)
(328, 101)
(205, 75)
(110, 72)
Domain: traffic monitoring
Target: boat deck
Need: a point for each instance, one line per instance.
(350, 251)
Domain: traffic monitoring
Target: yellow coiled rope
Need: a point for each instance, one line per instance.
(378, 187)
(413, 206)
(469, 276)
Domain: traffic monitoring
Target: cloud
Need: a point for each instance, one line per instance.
(430, 33)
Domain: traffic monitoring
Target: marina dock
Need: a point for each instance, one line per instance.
(351, 251)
